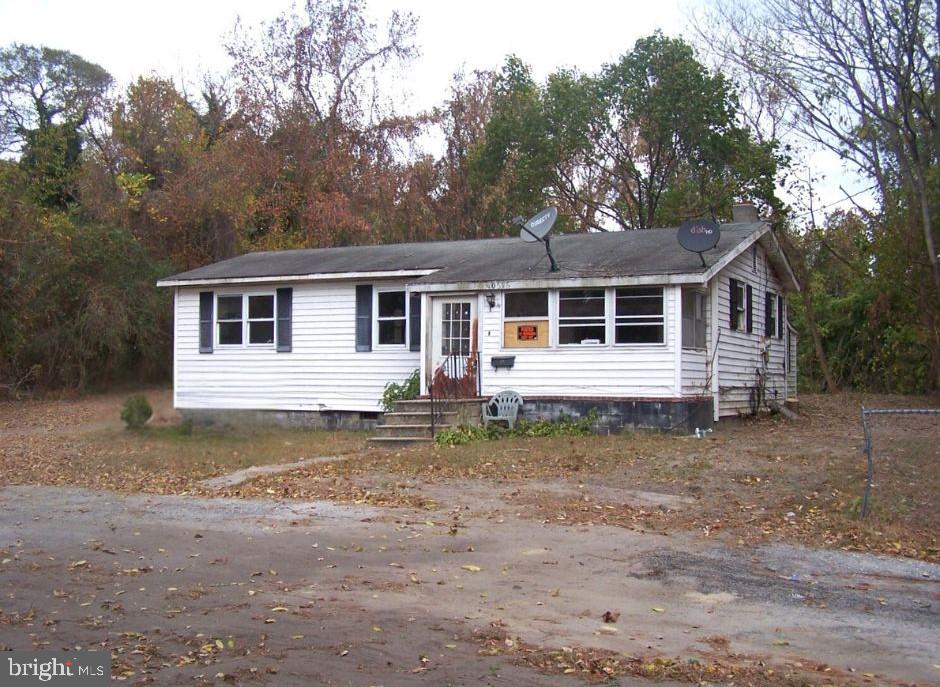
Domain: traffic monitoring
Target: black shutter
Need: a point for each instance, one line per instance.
(206, 299)
(768, 309)
(734, 303)
(364, 317)
(750, 310)
(780, 320)
(414, 322)
(285, 308)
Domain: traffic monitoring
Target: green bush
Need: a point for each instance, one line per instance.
(136, 411)
(565, 427)
(394, 392)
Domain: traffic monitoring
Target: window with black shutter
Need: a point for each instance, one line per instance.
(739, 308)
(770, 313)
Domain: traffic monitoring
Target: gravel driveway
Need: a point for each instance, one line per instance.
(216, 591)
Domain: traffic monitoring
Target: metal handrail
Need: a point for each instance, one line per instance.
(456, 368)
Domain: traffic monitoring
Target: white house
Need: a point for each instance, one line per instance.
(632, 325)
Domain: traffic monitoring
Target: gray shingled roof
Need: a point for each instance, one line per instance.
(614, 254)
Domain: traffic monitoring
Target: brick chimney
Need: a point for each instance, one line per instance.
(744, 212)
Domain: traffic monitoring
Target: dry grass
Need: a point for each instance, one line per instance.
(750, 481)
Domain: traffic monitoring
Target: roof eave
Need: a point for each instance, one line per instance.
(319, 276)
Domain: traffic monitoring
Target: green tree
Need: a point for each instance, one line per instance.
(649, 141)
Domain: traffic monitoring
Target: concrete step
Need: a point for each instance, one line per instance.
(394, 442)
(446, 405)
(417, 418)
(421, 430)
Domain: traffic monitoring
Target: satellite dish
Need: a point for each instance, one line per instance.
(536, 229)
(538, 226)
(698, 236)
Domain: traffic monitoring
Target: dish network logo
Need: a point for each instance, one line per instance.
(702, 229)
(46, 670)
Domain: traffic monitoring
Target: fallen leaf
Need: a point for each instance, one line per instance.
(472, 568)
(658, 610)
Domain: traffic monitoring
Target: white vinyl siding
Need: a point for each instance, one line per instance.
(322, 372)
(740, 352)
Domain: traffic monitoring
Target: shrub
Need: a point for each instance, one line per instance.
(136, 411)
(394, 392)
(564, 427)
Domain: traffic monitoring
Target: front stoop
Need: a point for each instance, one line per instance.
(410, 421)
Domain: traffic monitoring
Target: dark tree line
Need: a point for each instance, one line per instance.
(103, 191)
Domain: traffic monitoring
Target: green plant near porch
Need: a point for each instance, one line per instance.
(395, 392)
(564, 427)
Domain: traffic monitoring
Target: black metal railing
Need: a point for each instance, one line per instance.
(458, 376)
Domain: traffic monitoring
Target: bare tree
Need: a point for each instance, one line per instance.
(857, 77)
(323, 63)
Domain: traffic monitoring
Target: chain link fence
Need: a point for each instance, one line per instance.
(903, 446)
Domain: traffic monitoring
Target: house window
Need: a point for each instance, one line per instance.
(230, 320)
(261, 319)
(526, 304)
(525, 319)
(738, 305)
(770, 314)
(582, 316)
(638, 316)
(391, 318)
(693, 318)
(233, 324)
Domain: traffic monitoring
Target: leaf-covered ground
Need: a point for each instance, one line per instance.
(770, 479)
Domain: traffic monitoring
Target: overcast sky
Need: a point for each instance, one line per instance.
(183, 39)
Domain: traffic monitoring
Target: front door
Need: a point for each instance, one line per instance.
(454, 346)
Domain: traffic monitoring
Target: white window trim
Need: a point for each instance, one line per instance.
(658, 344)
(245, 320)
(376, 319)
(557, 326)
(773, 310)
(506, 319)
(705, 313)
(548, 304)
(609, 322)
(740, 317)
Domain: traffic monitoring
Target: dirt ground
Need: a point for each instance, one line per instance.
(216, 591)
(732, 559)
(751, 481)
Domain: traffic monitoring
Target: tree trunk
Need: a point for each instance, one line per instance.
(797, 260)
(810, 314)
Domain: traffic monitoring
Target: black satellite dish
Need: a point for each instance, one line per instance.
(536, 228)
(698, 236)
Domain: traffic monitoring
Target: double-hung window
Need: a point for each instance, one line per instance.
(770, 314)
(245, 317)
(693, 318)
(392, 318)
(638, 316)
(740, 305)
(582, 316)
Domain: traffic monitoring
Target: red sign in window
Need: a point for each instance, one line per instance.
(527, 332)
